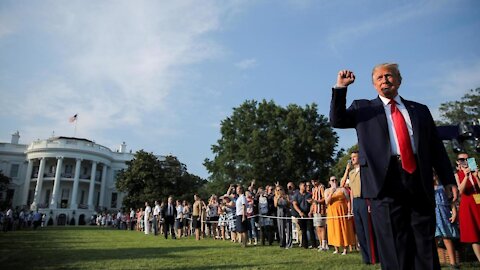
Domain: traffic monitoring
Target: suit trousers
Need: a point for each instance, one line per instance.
(364, 231)
(169, 226)
(155, 225)
(404, 222)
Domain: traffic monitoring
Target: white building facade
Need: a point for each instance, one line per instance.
(68, 179)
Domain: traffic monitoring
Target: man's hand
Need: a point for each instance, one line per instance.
(452, 191)
(345, 78)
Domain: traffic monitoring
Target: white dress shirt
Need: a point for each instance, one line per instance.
(391, 129)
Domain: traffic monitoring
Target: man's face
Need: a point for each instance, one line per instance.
(386, 82)
(354, 158)
(170, 200)
(302, 187)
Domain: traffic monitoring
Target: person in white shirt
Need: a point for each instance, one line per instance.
(156, 214)
(146, 217)
(241, 212)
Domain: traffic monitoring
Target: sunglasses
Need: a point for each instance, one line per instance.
(461, 159)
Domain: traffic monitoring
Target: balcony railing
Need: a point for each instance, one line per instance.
(82, 206)
(43, 205)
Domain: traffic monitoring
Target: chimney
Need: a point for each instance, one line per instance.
(15, 137)
(123, 148)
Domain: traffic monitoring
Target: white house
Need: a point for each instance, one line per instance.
(62, 177)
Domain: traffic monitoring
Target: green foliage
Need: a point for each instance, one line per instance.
(147, 179)
(4, 181)
(341, 162)
(269, 143)
(467, 109)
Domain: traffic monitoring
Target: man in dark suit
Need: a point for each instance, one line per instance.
(398, 147)
(169, 212)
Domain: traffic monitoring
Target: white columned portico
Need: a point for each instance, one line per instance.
(56, 184)
(102, 186)
(76, 179)
(26, 185)
(92, 185)
(38, 188)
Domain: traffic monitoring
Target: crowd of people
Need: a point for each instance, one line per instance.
(17, 219)
(311, 215)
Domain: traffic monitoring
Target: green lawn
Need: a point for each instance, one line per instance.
(98, 248)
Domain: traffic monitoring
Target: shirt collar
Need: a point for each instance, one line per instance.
(386, 101)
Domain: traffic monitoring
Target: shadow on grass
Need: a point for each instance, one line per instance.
(63, 257)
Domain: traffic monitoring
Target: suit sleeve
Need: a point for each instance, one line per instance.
(440, 161)
(340, 117)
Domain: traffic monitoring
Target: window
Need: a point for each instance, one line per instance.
(30, 196)
(35, 171)
(65, 193)
(82, 197)
(113, 203)
(98, 199)
(47, 196)
(68, 168)
(14, 170)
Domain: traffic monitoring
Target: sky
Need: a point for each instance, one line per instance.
(162, 75)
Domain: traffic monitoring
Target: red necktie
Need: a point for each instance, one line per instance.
(401, 130)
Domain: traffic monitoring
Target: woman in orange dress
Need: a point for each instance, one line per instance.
(339, 228)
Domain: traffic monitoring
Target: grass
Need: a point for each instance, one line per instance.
(99, 248)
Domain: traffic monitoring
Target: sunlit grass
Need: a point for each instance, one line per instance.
(99, 248)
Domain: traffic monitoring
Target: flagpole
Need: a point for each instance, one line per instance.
(75, 131)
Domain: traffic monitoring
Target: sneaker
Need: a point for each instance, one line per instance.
(335, 252)
(320, 249)
(344, 252)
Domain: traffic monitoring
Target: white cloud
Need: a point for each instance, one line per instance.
(112, 62)
(246, 63)
(348, 34)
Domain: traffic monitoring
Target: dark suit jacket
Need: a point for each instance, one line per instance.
(369, 119)
(164, 210)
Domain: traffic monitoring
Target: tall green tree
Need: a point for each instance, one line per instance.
(4, 182)
(148, 178)
(467, 109)
(270, 143)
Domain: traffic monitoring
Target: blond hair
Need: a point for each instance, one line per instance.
(390, 66)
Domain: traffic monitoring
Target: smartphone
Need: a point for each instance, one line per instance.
(472, 165)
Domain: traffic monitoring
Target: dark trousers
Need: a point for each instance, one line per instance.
(404, 222)
(306, 225)
(266, 232)
(169, 222)
(155, 225)
(364, 231)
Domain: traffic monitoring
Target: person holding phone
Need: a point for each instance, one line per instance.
(469, 210)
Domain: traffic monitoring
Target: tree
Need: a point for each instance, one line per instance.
(341, 161)
(147, 178)
(270, 143)
(4, 183)
(467, 109)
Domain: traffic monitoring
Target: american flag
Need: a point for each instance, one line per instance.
(73, 118)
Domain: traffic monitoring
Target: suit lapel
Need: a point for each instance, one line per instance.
(380, 115)
(412, 112)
